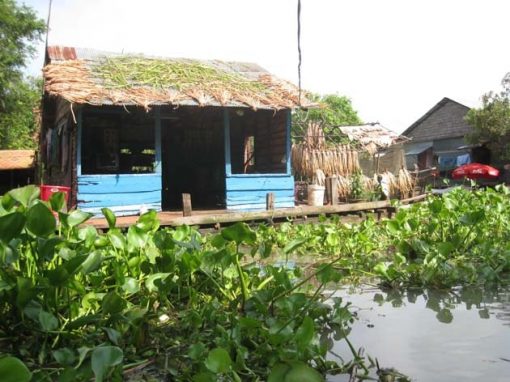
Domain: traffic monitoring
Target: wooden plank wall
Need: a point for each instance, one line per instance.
(124, 194)
(248, 192)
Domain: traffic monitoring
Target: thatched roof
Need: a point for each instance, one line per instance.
(84, 76)
(372, 136)
(16, 159)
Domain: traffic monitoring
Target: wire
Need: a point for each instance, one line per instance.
(299, 47)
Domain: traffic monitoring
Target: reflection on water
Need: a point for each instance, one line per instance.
(458, 335)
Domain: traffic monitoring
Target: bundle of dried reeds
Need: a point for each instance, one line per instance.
(406, 183)
(339, 160)
(343, 185)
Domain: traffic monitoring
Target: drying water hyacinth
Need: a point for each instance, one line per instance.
(126, 72)
(137, 80)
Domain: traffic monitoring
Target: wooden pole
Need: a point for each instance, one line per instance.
(270, 201)
(186, 205)
(331, 190)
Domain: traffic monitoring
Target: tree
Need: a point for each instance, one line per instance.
(491, 122)
(333, 111)
(20, 29)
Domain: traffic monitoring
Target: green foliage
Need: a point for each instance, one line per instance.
(13, 370)
(491, 123)
(77, 304)
(334, 111)
(20, 29)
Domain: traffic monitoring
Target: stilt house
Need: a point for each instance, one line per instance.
(127, 132)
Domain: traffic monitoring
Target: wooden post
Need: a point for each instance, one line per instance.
(186, 204)
(270, 201)
(332, 191)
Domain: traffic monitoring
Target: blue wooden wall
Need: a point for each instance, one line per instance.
(124, 194)
(248, 191)
(245, 192)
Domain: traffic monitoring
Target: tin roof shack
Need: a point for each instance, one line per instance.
(17, 169)
(129, 132)
(438, 139)
(382, 149)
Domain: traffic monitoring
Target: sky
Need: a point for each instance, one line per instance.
(395, 59)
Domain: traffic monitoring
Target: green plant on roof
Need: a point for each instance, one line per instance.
(183, 75)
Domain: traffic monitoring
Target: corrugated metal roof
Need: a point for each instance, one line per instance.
(61, 53)
(72, 75)
(417, 148)
(16, 159)
(372, 134)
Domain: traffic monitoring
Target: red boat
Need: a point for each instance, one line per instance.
(475, 171)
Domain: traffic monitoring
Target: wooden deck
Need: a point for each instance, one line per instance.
(220, 217)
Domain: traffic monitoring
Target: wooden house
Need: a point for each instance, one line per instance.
(17, 169)
(438, 138)
(381, 148)
(129, 132)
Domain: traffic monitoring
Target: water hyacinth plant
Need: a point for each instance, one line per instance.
(79, 304)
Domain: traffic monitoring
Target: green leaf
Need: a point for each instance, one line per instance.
(445, 248)
(13, 370)
(78, 217)
(113, 303)
(57, 276)
(218, 361)
(150, 281)
(109, 216)
(278, 372)
(393, 226)
(11, 226)
(293, 245)
(57, 201)
(136, 237)
(92, 262)
(239, 233)
(8, 202)
(301, 372)
(26, 291)
(196, 351)
(113, 335)
(117, 239)
(40, 220)
(305, 333)
(47, 247)
(47, 321)
(148, 221)
(103, 359)
(64, 356)
(25, 195)
(130, 285)
(472, 218)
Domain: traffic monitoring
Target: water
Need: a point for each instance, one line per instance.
(462, 335)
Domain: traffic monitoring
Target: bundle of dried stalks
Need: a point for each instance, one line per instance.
(406, 183)
(343, 185)
(369, 184)
(339, 160)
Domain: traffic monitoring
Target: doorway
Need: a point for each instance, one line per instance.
(193, 159)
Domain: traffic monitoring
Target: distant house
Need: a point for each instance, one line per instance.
(16, 169)
(438, 138)
(384, 146)
(130, 132)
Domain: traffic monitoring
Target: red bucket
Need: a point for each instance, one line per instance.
(47, 191)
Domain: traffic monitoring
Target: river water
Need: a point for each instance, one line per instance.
(460, 335)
